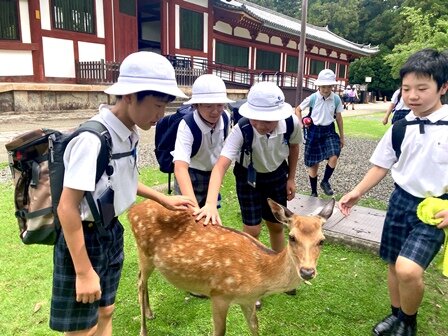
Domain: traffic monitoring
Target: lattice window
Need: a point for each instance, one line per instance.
(268, 60)
(292, 64)
(191, 29)
(316, 66)
(9, 21)
(232, 55)
(74, 15)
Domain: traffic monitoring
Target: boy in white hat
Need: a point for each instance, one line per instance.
(88, 258)
(209, 99)
(322, 142)
(274, 161)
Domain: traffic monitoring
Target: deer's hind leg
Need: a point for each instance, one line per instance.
(146, 267)
(250, 313)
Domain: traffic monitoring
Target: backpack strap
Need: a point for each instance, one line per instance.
(337, 102)
(225, 118)
(289, 129)
(248, 136)
(196, 131)
(399, 131)
(312, 103)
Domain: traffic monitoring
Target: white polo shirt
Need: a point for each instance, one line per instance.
(399, 105)
(423, 166)
(211, 144)
(80, 159)
(323, 109)
(268, 152)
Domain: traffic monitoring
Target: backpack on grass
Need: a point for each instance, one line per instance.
(37, 167)
(165, 137)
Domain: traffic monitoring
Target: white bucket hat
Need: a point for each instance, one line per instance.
(145, 71)
(326, 77)
(266, 101)
(209, 89)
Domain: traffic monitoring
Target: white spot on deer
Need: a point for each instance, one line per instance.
(135, 219)
(229, 280)
(227, 262)
(200, 252)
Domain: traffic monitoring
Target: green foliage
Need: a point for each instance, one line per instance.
(424, 35)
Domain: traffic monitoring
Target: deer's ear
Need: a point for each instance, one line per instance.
(280, 212)
(327, 210)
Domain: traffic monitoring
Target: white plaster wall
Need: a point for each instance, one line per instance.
(334, 54)
(91, 51)
(292, 45)
(205, 42)
(223, 27)
(59, 58)
(275, 40)
(322, 52)
(100, 31)
(343, 57)
(25, 30)
(176, 25)
(16, 63)
(45, 16)
(203, 3)
(262, 37)
(242, 32)
(315, 50)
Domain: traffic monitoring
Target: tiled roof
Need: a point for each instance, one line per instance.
(290, 25)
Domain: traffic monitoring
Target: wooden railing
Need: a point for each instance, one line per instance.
(188, 69)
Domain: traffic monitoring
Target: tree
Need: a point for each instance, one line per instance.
(424, 35)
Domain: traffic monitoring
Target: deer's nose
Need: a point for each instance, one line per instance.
(307, 273)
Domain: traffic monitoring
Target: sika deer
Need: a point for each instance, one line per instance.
(227, 265)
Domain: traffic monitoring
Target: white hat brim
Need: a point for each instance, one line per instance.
(208, 101)
(121, 89)
(264, 114)
(323, 83)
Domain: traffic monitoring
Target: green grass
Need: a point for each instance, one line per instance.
(365, 126)
(348, 296)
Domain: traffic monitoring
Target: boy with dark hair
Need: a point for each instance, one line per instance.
(88, 258)
(322, 142)
(408, 245)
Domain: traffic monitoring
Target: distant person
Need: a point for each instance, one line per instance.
(398, 107)
(352, 97)
(408, 245)
(322, 142)
(345, 96)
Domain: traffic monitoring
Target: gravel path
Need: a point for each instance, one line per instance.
(352, 165)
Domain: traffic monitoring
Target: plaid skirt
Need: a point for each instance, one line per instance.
(199, 180)
(405, 235)
(253, 201)
(105, 250)
(321, 143)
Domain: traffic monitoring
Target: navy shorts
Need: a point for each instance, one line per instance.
(405, 235)
(105, 250)
(253, 201)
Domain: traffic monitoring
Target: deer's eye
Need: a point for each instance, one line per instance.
(292, 239)
(321, 242)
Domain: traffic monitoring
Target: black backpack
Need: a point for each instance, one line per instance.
(37, 167)
(248, 136)
(399, 131)
(165, 137)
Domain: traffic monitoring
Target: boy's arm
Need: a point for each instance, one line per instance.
(388, 112)
(183, 180)
(298, 112)
(293, 158)
(88, 288)
(209, 210)
(170, 202)
(371, 179)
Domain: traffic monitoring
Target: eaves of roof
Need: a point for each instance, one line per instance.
(286, 24)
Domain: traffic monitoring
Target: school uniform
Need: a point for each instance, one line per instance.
(269, 157)
(322, 141)
(400, 109)
(104, 244)
(200, 165)
(420, 172)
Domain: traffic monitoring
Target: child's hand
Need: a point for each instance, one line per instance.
(290, 189)
(210, 213)
(444, 215)
(178, 202)
(348, 201)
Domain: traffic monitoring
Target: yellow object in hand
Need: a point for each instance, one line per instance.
(426, 211)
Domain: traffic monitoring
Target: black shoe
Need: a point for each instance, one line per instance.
(385, 326)
(325, 185)
(401, 328)
(291, 292)
(313, 194)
